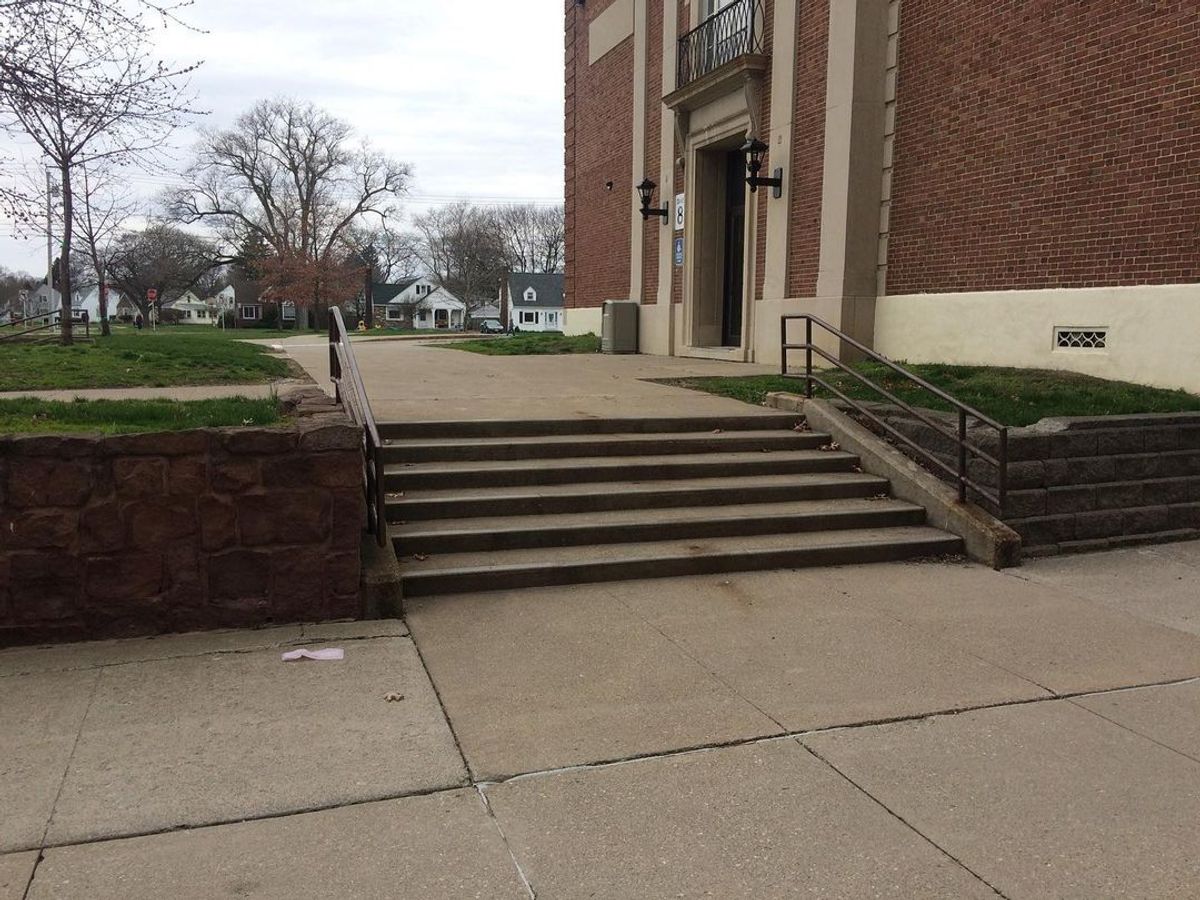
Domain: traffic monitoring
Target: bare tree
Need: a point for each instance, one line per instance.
(163, 258)
(80, 79)
(461, 248)
(533, 237)
(106, 207)
(395, 254)
(288, 173)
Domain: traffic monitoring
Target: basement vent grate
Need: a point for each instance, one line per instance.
(1081, 338)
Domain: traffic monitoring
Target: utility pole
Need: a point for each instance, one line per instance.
(49, 240)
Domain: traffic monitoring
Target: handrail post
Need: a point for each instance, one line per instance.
(808, 376)
(1002, 475)
(783, 345)
(962, 455)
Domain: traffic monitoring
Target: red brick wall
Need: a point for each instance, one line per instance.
(180, 531)
(1046, 143)
(763, 196)
(654, 230)
(807, 169)
(599, 149)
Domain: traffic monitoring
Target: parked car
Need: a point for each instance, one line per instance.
(491, 326)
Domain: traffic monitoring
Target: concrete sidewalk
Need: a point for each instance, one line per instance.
(428, 381)
(932, 730)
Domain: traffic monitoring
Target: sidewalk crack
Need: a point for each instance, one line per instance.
(70, 760)
(504, 839)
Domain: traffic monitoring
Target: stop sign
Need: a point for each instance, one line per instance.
(151, 294)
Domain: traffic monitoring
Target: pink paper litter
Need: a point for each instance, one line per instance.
(330, 653)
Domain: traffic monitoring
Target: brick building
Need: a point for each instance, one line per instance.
(1010, 183)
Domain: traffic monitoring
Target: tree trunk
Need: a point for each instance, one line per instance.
(64, 277)
(105, 330)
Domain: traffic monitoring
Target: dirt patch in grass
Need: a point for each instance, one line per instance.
(30, 415)
(1014, 397)
(142, 359)
(529, 344)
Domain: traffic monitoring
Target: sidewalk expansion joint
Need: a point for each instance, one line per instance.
(483, 784)
(903, 821)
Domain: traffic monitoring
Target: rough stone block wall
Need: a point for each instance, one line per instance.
(1045, 144)
(1086, 483)
(180, 531)
(599, 150)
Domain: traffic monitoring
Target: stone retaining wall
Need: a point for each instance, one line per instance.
(1087, 483)
(178, 531)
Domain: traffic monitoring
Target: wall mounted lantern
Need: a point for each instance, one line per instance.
(755, 150)
(646, 193)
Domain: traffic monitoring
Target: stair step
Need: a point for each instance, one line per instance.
(576, 498)
(573, 445)
(494, 428)
(484, 535)
(459, 573)
(509, 473)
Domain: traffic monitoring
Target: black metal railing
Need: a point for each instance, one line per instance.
(966, 449)
(736, 30)
(11, 330)
(352, 394)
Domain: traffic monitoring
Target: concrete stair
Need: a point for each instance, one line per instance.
(491, 505)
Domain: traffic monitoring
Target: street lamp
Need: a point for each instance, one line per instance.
(755, 150)
(646, 193)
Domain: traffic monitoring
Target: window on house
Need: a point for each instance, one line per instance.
(529, 318)
(248, 312)
(289, 313)
(394, 314)
(423, 316)
(530, 295)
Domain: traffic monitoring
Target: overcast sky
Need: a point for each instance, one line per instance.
(467, 91)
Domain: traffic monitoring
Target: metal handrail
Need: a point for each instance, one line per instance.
(736, 30)
(350, 391)
(49, 326)
(959, 474)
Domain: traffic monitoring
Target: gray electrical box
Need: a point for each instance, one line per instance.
(619, 327)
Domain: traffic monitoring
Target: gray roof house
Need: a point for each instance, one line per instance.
(533, 301)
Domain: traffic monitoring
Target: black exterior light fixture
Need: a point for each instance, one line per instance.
(646, 193)
(755, 150)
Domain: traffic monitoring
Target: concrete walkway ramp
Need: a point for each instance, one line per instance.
(494, 505)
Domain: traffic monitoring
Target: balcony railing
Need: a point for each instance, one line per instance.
(736, 30)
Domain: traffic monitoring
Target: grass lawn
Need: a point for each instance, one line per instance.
(529, 344)
(1010, 396)
(25, 415)
(136, 359)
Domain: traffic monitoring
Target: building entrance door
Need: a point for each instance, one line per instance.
(735, 249)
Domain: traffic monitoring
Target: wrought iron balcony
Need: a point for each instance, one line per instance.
(736, 30)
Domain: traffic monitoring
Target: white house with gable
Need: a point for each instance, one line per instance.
(534, 301)
(417, 303)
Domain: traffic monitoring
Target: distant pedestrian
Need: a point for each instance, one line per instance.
(137, 322)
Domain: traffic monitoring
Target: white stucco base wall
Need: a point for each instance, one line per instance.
(583, 320)
(655, 322)
(1153, 331)
(766, 336)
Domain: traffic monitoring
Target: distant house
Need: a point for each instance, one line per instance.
(42, 301)
(190, 309)
(484, 313)
(118, 306)
(417, 303)
(533, 301)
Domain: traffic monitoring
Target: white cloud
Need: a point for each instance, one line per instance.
(467, 91)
